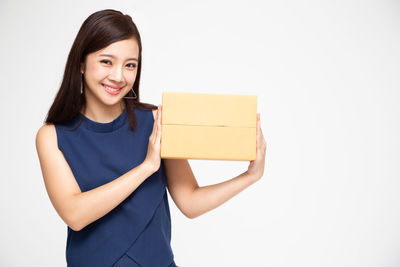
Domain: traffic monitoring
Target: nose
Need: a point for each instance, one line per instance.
(115, 74)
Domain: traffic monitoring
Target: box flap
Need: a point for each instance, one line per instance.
(220, 110)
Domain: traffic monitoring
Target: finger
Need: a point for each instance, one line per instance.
(155, 122)
(259, 124)
(260, 136)
(153, 133)
(157, 125)
(263, 143)
(160, 114)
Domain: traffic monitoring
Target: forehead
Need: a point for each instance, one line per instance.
(121, 49)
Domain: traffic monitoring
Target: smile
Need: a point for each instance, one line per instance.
(112, 90)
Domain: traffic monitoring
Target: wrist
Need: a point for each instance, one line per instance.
(250, 177)
(147, 167)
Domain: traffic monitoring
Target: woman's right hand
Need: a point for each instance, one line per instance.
(153, 157)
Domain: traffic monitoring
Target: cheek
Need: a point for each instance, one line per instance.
(96, 72)
(131, 77)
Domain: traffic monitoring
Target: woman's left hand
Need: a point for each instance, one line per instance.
(256, 167)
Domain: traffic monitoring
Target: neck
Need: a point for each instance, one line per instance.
(102, 113)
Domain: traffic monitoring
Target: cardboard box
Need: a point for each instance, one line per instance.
(208, 126)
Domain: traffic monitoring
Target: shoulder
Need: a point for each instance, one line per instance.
(46, 130)
(46, 135)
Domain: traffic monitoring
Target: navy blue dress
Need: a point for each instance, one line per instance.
(138, 231)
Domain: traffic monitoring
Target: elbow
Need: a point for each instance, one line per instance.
(77, 224)
(191, 214)
(75, 227)
(76, 218)
(72, 214)
(74, 222)
(190, 210)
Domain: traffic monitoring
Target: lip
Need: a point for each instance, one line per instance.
(112, 86)
(112, 92)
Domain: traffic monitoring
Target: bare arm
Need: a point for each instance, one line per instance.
(79, 209)
(193, 200)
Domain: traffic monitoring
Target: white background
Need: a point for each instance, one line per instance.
(326, 74)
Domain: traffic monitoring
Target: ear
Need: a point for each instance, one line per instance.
(82, 68)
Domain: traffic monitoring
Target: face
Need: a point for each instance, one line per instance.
(110, 73)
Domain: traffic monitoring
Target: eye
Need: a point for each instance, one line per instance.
(105, 61)
(131, 65)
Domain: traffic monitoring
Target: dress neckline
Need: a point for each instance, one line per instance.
(100, 127)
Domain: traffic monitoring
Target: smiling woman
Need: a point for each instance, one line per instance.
(100, 155)
(99, 144)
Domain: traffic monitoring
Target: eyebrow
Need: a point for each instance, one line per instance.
(111, 56)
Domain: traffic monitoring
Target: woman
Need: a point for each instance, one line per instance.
(99, 152)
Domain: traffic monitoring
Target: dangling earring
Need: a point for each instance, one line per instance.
(81, 83)
(130, 97)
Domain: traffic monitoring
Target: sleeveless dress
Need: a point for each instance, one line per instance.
(138, 231)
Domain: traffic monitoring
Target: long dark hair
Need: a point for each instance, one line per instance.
(99, 30)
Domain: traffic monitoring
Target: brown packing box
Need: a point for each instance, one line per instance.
(208, 126)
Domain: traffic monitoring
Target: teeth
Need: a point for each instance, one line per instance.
(112, 89)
